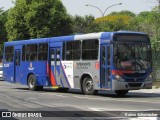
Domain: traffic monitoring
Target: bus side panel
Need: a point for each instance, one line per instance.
(64, 78)
(75, 70)
(39, 69)
(68, 73)
(86, 67)
(23, 73)
(8, 64)
(8, 69)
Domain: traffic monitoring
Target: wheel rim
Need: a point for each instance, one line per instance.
(31, 82)
(89, 86)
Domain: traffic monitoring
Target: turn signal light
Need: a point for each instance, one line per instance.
(97, 65)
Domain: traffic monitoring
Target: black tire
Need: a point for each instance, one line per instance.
(121, 92)
(39, 88)
(32, 83)
(87, 86)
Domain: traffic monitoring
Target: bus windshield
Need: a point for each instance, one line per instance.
(129, 56)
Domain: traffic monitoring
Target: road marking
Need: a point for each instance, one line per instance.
(136, 101)
(90, 98)
(94, 109)
(81, 97)
(59, 95)
(108, 111)
(104, 109)
(103, 99)
(146, 118)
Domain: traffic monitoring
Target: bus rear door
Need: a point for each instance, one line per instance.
(105, 67)
(17, 65)
(55, 66)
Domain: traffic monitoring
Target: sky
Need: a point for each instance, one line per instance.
(77, 7)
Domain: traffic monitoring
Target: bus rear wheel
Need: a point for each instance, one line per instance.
(87, 86)
(32, 83)
(121, 92)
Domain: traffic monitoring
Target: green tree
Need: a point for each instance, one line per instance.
(3, 19)
(47, 18)
(84, 24)
(115, 22)
(147, 22)
(3, 33)
(38, 18)
(123, 12)
(16, 24)
(140, 22)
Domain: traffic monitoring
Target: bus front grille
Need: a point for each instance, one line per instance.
(135, 84)
(135, 74)
(137, 80)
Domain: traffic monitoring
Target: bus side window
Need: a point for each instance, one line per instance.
(9, 53)
(31, 52)
(90, 49)
(58, 54)
(52, 54)
(103, 56)
(18, 58)
(64, 51)
(108, 54)
(43, 51)
(73, 50)
(23, 52)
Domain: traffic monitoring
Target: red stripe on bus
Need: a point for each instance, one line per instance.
(49, 72)
(121, 72)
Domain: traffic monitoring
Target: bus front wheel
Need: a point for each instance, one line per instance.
(87, 86)
(121, 92)
(32, 83)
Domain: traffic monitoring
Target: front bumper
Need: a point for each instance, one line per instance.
(117, 85)
(1, 78)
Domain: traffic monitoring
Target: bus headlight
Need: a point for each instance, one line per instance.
(118, 78)
(149, 78)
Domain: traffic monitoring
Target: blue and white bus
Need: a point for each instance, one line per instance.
(118, 61)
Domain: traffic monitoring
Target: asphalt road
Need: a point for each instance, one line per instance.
(15, 97)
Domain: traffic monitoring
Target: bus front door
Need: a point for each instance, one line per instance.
(55, 66)
(105, 67)
(17, 65)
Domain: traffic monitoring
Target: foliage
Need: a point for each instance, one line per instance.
(3, 33)
(16, 24)
(3, 18)
(124, 12)
(84, 24)
(114, 22)
(47, 18)
(38, 18)
(148, 22)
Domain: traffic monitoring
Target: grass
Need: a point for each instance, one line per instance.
(156, 84)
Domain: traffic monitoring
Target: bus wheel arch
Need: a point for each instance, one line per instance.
(31, 82)
(87, 86)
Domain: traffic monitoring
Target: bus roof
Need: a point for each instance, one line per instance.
(100, 35)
